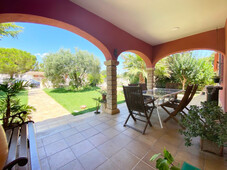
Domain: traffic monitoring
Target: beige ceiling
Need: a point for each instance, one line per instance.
(153, 21)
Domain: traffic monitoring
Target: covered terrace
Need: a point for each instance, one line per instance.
(151, 29)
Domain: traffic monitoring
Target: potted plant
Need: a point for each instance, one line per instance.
(216, 79)
(209, 122)
(166, 162)
(103, 93)
(98, 101)
(12, 111)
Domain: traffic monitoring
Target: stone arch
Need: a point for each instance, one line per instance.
(145, 58)
(185, 50)
(15, 17)
(210, 40)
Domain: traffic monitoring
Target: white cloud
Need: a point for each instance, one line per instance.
(41, 55)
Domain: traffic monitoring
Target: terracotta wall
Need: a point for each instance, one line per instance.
(223, 93)
(100, 32)
(212, 40)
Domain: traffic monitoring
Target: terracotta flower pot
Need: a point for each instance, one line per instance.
(3, 147)
(104, 97)
(209, 146)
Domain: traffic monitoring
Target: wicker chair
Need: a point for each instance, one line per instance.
(178, 108)
(138, 108)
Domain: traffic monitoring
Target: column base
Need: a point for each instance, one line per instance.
(110, 111)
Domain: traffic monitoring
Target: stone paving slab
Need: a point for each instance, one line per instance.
(46, 107)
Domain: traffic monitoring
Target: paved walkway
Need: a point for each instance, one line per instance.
(46, 107)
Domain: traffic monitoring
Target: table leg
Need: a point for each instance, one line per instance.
(157, 106)
(160, 121)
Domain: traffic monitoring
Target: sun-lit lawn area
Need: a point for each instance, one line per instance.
(23, 96)
(72, 100)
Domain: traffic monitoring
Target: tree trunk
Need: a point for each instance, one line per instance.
(6, 120)
(11, 76)
(183, 83)
(141, 78)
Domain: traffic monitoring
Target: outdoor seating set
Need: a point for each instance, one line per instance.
(141, 103)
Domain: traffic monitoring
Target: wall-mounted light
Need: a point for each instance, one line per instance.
(115, 53)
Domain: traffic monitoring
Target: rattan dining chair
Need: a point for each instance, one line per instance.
(178, 108)
(138, 108)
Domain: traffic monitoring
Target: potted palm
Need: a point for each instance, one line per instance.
(98, 101)
(103, 93)
(216, 79)
(209, 122)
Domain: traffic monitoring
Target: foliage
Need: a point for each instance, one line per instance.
(184, 67)
(15, 61)
(72, 100)
(9, 29)
(98, 101)
(79, 67)
(10, 104)
(208, 121)
(165, 162)
(103, 92)
(136, 68)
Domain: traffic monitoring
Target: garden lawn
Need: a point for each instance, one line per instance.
(22, 95)
(72, 100)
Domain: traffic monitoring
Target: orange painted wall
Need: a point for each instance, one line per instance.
(223, 93)
(213, 40)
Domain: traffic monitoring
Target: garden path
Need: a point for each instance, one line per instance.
(46, 107)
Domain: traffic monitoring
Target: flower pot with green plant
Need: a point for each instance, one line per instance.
(103, 93)
(166, 161)
(216, 79)
(11, 110)
(209, 122)
(98, 101)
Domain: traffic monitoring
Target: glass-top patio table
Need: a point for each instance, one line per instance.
(160, 94)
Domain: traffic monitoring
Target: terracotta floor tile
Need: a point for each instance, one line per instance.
(110, 132)
(109, 148)
(44, 164)
(98, 139)
(148, 157)
(68, 132)
(74, 139)
(50, 139)
(42, 153)
(121, 140)
(74, 165)
(89, 132)
(108, 165)
(82, 148)
(102, 127)
(92, 159)
(61, 158)
(122, 163)
(55, 147)
(139, 149)
(143, 166)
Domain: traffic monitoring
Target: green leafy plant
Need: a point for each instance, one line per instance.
(165, 161)
(10, 104)
(98, 101)
(207, 121)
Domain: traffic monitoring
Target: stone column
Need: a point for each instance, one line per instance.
(150, 78)
(111, 67)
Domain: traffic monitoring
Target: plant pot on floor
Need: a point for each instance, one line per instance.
(209, 146)
(216, 79)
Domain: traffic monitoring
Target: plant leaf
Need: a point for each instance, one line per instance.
(155, 156)
(168, 156)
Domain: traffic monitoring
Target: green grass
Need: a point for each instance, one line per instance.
(72, 100)
(23, 96)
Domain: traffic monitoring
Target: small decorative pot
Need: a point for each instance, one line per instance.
(104, 97)
(216, 79)
(209, 146)
(3, 147)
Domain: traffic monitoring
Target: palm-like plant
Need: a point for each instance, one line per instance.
(10, 105)
(184, 67)
(135, 66)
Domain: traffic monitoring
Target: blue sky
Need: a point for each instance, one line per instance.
(40, 40)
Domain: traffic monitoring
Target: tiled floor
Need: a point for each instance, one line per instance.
(101, 142)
